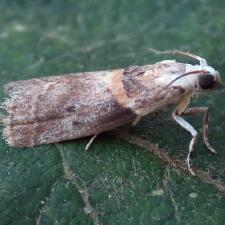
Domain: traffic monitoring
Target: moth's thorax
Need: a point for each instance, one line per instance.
(167, 71)
(189, 82)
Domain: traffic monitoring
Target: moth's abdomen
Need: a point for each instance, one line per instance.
(54, 109)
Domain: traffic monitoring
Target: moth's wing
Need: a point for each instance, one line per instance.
(57, 108)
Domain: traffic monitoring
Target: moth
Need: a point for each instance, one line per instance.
(57, 108)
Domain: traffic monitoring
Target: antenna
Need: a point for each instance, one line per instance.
(201, 60)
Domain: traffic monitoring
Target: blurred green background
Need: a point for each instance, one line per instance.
(115, 182)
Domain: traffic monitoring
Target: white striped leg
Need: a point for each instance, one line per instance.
(187, 126)
(90, 142)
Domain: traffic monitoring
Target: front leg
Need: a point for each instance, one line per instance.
(187, 126)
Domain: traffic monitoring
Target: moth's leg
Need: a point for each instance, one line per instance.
(176, 115)
(201, 60)
(187, 126)
(90, 142)
(205, 123)
(136, 121)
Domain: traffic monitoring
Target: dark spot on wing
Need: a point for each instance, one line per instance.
(76, 123)
(131, 85)
(70, 108)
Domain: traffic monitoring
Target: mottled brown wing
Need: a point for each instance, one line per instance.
(57, 108)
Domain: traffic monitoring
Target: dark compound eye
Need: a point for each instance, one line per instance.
(207, 81)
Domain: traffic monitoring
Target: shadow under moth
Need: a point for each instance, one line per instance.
(57, 108)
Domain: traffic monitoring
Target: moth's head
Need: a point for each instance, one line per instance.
(200, 77)
(208, 79)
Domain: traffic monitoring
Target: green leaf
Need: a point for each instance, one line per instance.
(135, 178)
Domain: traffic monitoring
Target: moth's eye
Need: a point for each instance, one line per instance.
(207, 81)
